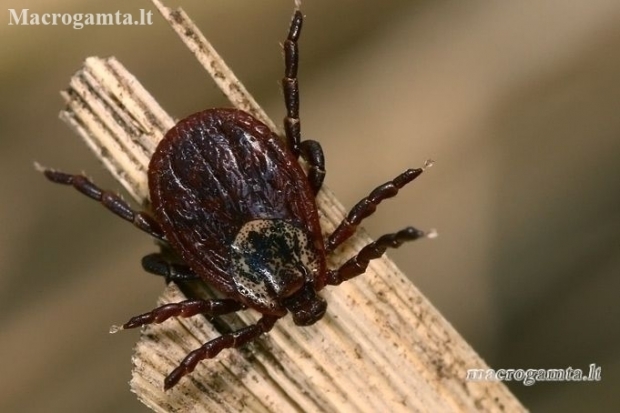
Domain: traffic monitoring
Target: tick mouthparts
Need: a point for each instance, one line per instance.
(431, 234)
(428, 163)
(115, 329)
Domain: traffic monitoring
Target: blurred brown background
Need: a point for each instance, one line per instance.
(518, 102)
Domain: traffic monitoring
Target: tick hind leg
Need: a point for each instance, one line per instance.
(312, 152)
(358, 264)
(309, 150)
(158, 264)
(110, 200)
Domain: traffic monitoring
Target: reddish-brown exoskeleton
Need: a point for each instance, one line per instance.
(231, 199)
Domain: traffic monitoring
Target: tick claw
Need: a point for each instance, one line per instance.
(39, 168)
(115, 329)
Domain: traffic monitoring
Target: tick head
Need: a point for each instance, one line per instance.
(306, 307)
(274, 264)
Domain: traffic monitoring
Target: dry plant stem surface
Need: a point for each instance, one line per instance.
(381, 346)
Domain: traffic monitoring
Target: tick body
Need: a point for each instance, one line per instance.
(235, 203)
(231, 199)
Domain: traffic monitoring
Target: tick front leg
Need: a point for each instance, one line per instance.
(212, 348)
(358, 264)
(110, 200)
(368, 205)
(186, 308)
(158, 264)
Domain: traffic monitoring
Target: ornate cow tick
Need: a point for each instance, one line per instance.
(231, 199)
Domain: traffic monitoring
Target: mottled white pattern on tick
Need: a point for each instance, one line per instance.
(271, 259)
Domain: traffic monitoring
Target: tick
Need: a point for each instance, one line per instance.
(231, 199)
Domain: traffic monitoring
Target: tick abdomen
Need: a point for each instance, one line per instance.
(216, 171)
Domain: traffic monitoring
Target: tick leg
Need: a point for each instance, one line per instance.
(186, 308)
(108, 199)
(368, 205)
(157, 264)
(312, 152)
(290, 85)
(358, 264)
(213, 347)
